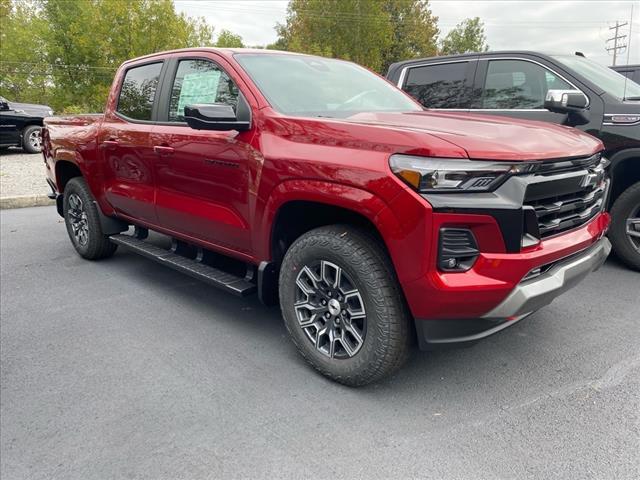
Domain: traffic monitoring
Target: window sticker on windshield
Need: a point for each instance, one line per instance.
(199, 87)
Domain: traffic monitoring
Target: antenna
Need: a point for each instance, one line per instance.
(615, 39)
(626, 79)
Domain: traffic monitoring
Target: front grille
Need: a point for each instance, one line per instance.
(567, 194)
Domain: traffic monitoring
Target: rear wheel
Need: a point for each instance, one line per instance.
(625, 226)
(342, 305)
(82, 219)
(32, 139)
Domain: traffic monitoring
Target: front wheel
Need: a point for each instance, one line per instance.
(82, 219)
(625, 226)
(32, 139)
(342, 305)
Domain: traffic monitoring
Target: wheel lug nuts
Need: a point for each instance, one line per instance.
(323, 302)
(329, 294)
(344, 312)
(327, 315)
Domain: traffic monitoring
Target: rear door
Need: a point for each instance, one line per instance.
(206, 179)
(441, 85)
(125, 143)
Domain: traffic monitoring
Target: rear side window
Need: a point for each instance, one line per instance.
(200, 81)
(138, 91)
(439, 86)
(518, 84)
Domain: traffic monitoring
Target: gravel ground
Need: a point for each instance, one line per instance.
(125, 369)
(22, 174)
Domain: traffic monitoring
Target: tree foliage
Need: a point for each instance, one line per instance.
(467, 36)
(22, 44)
(351, 29)
(71, 49)
(414, 31)
(227, 39)
(65, 52)
(373, 33)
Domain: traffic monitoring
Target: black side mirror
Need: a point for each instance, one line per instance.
(4, 105)
(218, 116)
(571, 102)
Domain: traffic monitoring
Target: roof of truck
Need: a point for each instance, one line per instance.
(228, 52)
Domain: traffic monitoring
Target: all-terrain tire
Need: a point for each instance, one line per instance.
(625, 206)
(82, 219)
(387, 341)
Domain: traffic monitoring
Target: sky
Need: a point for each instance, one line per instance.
(548, 26)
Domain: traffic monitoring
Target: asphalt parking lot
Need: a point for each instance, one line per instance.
(124, 369)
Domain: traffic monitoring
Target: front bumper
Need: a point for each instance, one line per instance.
(527, 297)
(531, 295)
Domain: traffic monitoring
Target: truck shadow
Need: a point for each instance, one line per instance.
(495, 367)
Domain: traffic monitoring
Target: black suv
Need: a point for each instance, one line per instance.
(632, 72)
(565, 89)
(20, 124)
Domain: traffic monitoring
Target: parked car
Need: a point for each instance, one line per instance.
(316, 184)
(632, 72)
(20, 124)
(564, 89)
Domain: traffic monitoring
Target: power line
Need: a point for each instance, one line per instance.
(59, 65)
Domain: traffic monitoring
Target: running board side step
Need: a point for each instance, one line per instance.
(237, 285)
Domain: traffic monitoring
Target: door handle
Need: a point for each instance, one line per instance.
(109, 144)
(162, 150)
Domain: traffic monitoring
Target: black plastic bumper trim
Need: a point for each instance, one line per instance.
(451, 333)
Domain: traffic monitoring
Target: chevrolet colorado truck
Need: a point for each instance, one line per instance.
(318, 185)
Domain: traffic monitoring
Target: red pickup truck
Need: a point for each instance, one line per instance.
(320, 186)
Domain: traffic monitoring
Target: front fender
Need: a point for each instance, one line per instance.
(404, 240)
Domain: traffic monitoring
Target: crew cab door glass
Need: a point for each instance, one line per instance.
(204, 177)
(200, 81)
(138, 91)
(517, 84)
(445, 85)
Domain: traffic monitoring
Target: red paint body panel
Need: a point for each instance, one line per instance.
(438, 295)
(223, 190)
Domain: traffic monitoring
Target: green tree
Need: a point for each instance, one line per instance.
(69, 50)
(90, 38)
(374, 33)
(414, 31)
(227, 39)
(467, 36)
(357, 30)
(22, 45)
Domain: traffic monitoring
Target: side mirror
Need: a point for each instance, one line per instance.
(565, 101)
(4, 105)
(218, 116)
(571, 102)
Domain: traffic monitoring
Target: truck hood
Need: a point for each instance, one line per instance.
(489, 137)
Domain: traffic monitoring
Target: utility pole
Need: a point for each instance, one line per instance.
(615, 39)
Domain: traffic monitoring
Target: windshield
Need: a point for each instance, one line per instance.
(309, 86)
(611, 82)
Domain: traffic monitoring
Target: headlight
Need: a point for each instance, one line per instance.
(50, 113)
(427, 174)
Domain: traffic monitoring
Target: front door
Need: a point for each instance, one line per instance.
(517, 88)
(125, 145)
(205, 178)
(10, 124)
